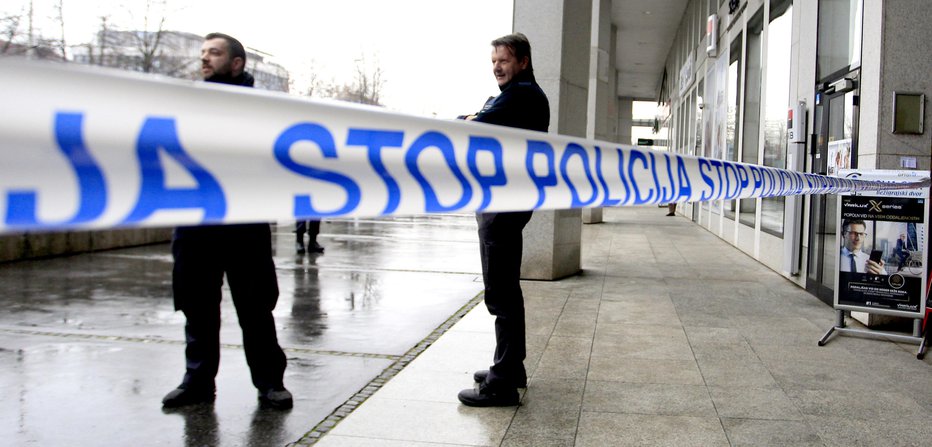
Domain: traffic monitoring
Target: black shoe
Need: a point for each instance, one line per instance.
(479, 377)
(314, 247)
(182, 396)
(671, 214)
(299, 247)
(278, 399)
(489, 397)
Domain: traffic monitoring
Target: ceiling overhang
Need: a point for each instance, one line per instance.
(645, 33)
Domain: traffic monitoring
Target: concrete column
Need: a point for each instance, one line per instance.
(895, 58)
(601, 93)
(592, 215)
(559, 32)
(625, 119)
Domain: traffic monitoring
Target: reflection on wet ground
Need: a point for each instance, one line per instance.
(90, 343)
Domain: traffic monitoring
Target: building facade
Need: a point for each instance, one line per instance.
(837, 64)
(724, 75)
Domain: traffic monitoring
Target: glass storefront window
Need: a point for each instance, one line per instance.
(841, 131)
(731, 126)
(839, 45)
(751, 122)
(777, 90)
(675, 130)
(700, 150)
(689, 140)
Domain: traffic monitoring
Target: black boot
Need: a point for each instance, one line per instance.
(487, 396)
(278, 399)
(479, 377)
(188, 395)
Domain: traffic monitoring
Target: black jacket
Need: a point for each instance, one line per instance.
(244, 79)
(521, 104)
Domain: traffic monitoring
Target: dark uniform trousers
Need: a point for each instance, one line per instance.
(500, 247)
(202, 256)
(311, 227)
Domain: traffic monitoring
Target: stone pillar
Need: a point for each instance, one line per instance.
(559, 32)
(552, 245)
(894, 59)
(601, 81)
(592, 215)
(625, 120)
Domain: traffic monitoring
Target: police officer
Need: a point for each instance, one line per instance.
(243, 252)
(524, 105)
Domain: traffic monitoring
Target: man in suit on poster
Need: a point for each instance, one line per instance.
(852, 259)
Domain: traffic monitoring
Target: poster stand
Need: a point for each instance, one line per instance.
(893, 226)
(922, 347)
(841, 328)
(925, 323)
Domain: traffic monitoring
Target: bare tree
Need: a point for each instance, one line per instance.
(152, 49)
(60, 9)
(24, 42)
(366, 87)
(10, 29)
(316, 86)
(148, 43)
(102, 44)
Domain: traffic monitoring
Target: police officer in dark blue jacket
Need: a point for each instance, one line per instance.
(244, 253)
(524, 105)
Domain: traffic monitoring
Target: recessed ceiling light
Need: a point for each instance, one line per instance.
(647, 13)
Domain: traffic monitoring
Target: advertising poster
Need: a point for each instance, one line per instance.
(839, 156)
(883, 239)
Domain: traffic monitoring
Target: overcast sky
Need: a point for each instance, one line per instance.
(434, 54)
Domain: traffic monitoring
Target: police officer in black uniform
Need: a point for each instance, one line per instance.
(244, 253)
(524, 105)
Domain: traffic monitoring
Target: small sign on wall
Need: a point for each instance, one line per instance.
(908, 112)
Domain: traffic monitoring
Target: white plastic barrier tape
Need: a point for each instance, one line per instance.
(88, 148)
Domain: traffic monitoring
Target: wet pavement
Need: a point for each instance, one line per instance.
(90, 343)
(669, 336)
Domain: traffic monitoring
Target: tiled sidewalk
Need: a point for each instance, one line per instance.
(669, 337)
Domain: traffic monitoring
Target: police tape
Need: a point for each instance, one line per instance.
(89, 148)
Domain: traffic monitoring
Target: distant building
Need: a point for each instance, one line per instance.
(39, 51)
(171, 53)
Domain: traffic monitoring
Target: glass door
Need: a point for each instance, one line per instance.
(836, 117)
